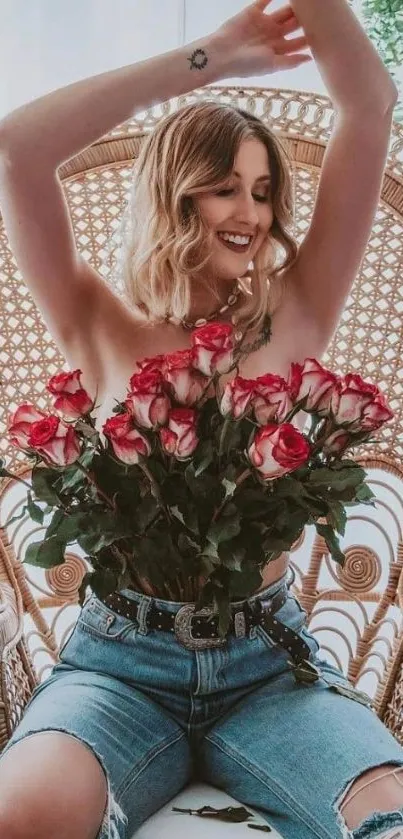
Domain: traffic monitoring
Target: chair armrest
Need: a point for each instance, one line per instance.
(17, 676)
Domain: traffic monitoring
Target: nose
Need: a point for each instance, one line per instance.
(246, 210)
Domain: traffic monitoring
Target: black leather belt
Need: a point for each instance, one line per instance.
(199, 630)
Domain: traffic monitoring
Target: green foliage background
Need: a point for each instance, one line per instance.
(383, 22)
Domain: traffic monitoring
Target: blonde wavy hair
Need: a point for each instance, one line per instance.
(166, 244)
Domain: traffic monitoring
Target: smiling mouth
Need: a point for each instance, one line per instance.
(233, 246)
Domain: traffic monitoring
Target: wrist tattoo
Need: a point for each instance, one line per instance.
(198, 60)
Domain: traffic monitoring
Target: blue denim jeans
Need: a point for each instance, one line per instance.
(158, 715)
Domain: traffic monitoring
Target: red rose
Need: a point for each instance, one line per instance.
(237, 397)
(147, 402)
(20, 423)
(55, 441)
(360, 404)
(72, 400)
(272, 400)
(179, 438)
(127, 443)
(312, 380)
(186, 383)
(213, 347)
(277, 450)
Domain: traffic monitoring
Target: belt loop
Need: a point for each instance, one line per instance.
(142, 612)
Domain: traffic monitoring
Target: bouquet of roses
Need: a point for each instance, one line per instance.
(197, 485)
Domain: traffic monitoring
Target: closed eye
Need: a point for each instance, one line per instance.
(224, 192)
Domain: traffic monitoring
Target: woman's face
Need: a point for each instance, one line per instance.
(241, 207)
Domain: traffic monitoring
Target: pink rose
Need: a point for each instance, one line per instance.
(186, 383)
(336, 442)
(147, 401)
(272, 400)
(55, 441)
(179, 438)
(152, 364)
(20, 423)
(360, 404)
(127, 443)
(213, 347)
(72, 400)
(312, 380)
(278, 449)
(237, 397)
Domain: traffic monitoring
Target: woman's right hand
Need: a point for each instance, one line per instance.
(254, 43)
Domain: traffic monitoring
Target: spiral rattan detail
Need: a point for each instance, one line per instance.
(64, 580)
(361, 571)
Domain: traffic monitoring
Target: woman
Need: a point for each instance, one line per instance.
(132, 712)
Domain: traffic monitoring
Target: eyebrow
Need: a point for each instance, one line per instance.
(262, 177)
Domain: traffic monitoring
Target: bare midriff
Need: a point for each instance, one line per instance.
(270, 574)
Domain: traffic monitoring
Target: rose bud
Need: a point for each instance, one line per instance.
(360, 404)
(147, 401)
(277, 450)
(213, 347)
(271, 402)
(237, 397)
(336, 442)
(20, 423)
(127, 443)
(186, 383)
(55, 441)
(179, 438)
(313, 381)
(72, 400)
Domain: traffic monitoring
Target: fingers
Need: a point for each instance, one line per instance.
(290, 25)
(283, 47)
(287, 62)
(282, 15)
(261, 4)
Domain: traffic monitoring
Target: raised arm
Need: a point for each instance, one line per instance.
(364, 95)
(36, 138)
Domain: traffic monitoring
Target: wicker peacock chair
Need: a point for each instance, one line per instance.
(355, 612)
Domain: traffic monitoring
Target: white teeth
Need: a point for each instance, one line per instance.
(236, 240)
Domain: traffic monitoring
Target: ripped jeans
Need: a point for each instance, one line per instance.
(158, 715)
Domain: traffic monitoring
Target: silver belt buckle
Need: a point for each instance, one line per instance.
(183, 629)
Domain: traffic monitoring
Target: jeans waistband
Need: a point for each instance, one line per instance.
(173, 606)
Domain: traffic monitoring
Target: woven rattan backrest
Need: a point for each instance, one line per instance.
(368, 340)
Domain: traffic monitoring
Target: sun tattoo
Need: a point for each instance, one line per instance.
(198, 60)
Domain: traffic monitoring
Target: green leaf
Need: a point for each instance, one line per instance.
(146, 512)
(103, 581)
(245, 582)
(339, 478)
(187, 546)
(187, 516)
(331, 540)
(35, 512)
(42, 481)
(337, 517)
(203, 456)
(100, 528)
(45, 554)
(364, 494)
(229, 486)
(19, 516)
(232, 554)
(226, 526)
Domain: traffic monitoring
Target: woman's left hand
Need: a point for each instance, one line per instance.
(254, 43)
